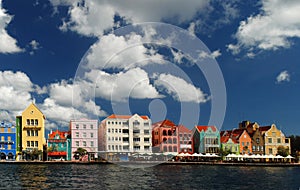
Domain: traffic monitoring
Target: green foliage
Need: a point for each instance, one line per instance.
(283, 151)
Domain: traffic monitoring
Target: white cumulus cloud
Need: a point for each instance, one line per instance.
(283, 76)
(7, 43)
(179, 89)
(273, 28)
(94, 16)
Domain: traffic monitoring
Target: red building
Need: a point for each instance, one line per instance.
(164, 137)
(185, 141)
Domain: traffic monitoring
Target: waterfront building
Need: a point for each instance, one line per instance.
(31, 140)
(164, 137)
(125, 134)
(206, 139)
(229, 144)
(185, 140)
(8, 141)
(84, 135)
(59, 145)
(244, 140)
(275, 138)
(256, 134)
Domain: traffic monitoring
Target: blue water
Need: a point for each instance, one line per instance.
(81, 176)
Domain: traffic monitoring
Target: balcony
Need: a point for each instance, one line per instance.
(32, 127)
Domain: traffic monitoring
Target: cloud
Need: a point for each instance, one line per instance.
(273, 28)
(7, 43)
(16, 89)
(179, 89)
(117, 87)
(119, 52)
(284, 76)
(94, 16)
(214, 54)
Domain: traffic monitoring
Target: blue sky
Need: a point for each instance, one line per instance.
(52, 51)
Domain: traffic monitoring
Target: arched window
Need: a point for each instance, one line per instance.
(169, 133)
(170, 149)
(169, 140)
(165, 149)
(164, 132)
(174, 148)
(174, 140)
(165, 140)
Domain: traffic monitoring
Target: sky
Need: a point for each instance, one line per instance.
(208, 62)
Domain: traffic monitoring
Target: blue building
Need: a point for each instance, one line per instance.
(206, 139)
(7, 141)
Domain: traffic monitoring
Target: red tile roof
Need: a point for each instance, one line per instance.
(204, 128)
(114, 116)
(163, 123)
(60, 133)
(183, 129)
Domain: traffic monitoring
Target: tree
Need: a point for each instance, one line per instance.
(283, 151)
(79, 153)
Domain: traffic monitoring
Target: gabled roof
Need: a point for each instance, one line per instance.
(114, 116)
(183, 129)
(33, 105)
(164, 123)
(60, 133)
(204, 128)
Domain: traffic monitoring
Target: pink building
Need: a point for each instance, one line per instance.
(84, 135)
(164, 136)
(185, 141)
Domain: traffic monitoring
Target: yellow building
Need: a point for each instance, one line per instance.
(32, 129)
(275, 138)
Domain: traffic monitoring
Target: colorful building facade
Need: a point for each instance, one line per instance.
(274, 138)
(59, 145)
(124, 135)
(84, 135)
(8, 141)
(206, 139)
(32, 131)
(165, 137)
(229, 144)
(185, 140)
(244, 140)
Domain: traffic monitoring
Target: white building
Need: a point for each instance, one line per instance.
(84, 134)
(125, 134)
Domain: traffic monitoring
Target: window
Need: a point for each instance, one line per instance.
(136, 131)
(279, 140)
(146, 124)
(84, 143)
(126, 147)
(243, 144)
(62, 145)
(257, 140)
(28, 122)
(136, 147)
(108, 122)
(37, 133)
(136, 139)
(108, 138)
(77, 143)
(84, 126)
(146, 140)
(28, 133)
(77, 126)
(253, 147)
(77, 134)
(120, 147)
(146, 132)
(28, 143)
(108, 130)
(116, 130)
(32, 122)
(270, 151)
(108, 147)
(32, 143)
(9, 147)
(92, 135)
(36, 144)
(117, 147)
(92, 126)
(32, 132)
(247, 143)
(170, 140)
(92, 143)
(36, 122)
(269, 140)
(84, 134)
(120, 130)
(146, 148)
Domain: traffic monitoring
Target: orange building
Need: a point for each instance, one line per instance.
(244, 140)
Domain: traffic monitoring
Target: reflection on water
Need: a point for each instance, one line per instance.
(83, 176)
